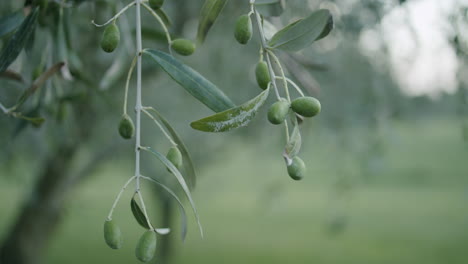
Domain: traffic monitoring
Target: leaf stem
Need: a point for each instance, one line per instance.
(159, 125)
(168, 36)
(292, 83)
(285, 83)
(129, 75)
(117, 15)
(109, 217)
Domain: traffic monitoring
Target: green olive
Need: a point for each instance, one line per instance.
(296, 169)
(183, 47)
(156, 4)
(126, 127)
(278, 112)
(146, 246)
(175, 157)
(243, 29)
(110, 38)
(262, 75)
(306, 106)
(112, 234)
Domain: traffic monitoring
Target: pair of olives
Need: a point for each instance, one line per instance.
(305, 106)
(146, 246)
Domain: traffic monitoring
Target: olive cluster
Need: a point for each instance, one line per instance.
(304, 106)
(111, 36)
(146, 246)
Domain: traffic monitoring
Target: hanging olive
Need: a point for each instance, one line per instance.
(126, 127)
(112, 234)
(110, 38)
(296, 169)
(183, 47)
(146, 246)
(306, 106)
(243, 29)
(278, 112)
(262, 75)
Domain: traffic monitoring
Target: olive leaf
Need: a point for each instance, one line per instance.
(270, 7)
(181, 206)
(303, 32)
(35, 121)
(180, 179)
(138, 214)
(294, 144)
(17, 42)
(199, 87)
(209, 13)
(233, 118)
(10, 22)
(190, 174)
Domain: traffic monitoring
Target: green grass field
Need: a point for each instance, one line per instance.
(412, 210)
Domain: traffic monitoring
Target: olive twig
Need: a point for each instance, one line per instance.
(129, 75)
(292, 83)
(168, 36)
(116, 16)
(264, 47)
(159, 125)
(285, 83)
(109, 217)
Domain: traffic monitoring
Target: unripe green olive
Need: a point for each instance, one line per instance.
(156, 4)
(146, 246)
(126, 127)
(262, 75)
(175, 157)
(110, 38)
(278, 112)
(296, 169)
(112, 234)
(183, 47)
(306, 106)
(243, 29)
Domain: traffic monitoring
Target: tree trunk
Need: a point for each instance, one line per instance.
(34, 226)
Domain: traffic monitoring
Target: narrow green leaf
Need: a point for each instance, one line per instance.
(10, 22)
(270, 7)
(17, 42)
(199, 87)
(233, 118)
(294, 144)
(209, 13)
(183, 215)
(180, 179)
(190, 173)
(138, 214)
(302, 33)
(35, 121)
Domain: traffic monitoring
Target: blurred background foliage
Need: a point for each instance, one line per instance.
(387, 173)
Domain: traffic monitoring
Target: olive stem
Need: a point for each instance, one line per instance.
(285, 83)
(168, 36)
(109, 217)
(117, 15)
(264, 47)
(144, 207)
(159, 125)
(138, 105)
(129, 75)
(292, 83)
(4, 109)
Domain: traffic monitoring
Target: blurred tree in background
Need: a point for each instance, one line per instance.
(389, 66)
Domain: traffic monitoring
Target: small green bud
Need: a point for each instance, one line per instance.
(112, 234)
(278, 112)
(110, 38)
(146, 246)
(306, 106)
(243, 29)
(183, 47)
(175, 157)
(126, 127)
(262, 75)
(296, 169)
(156, 4)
